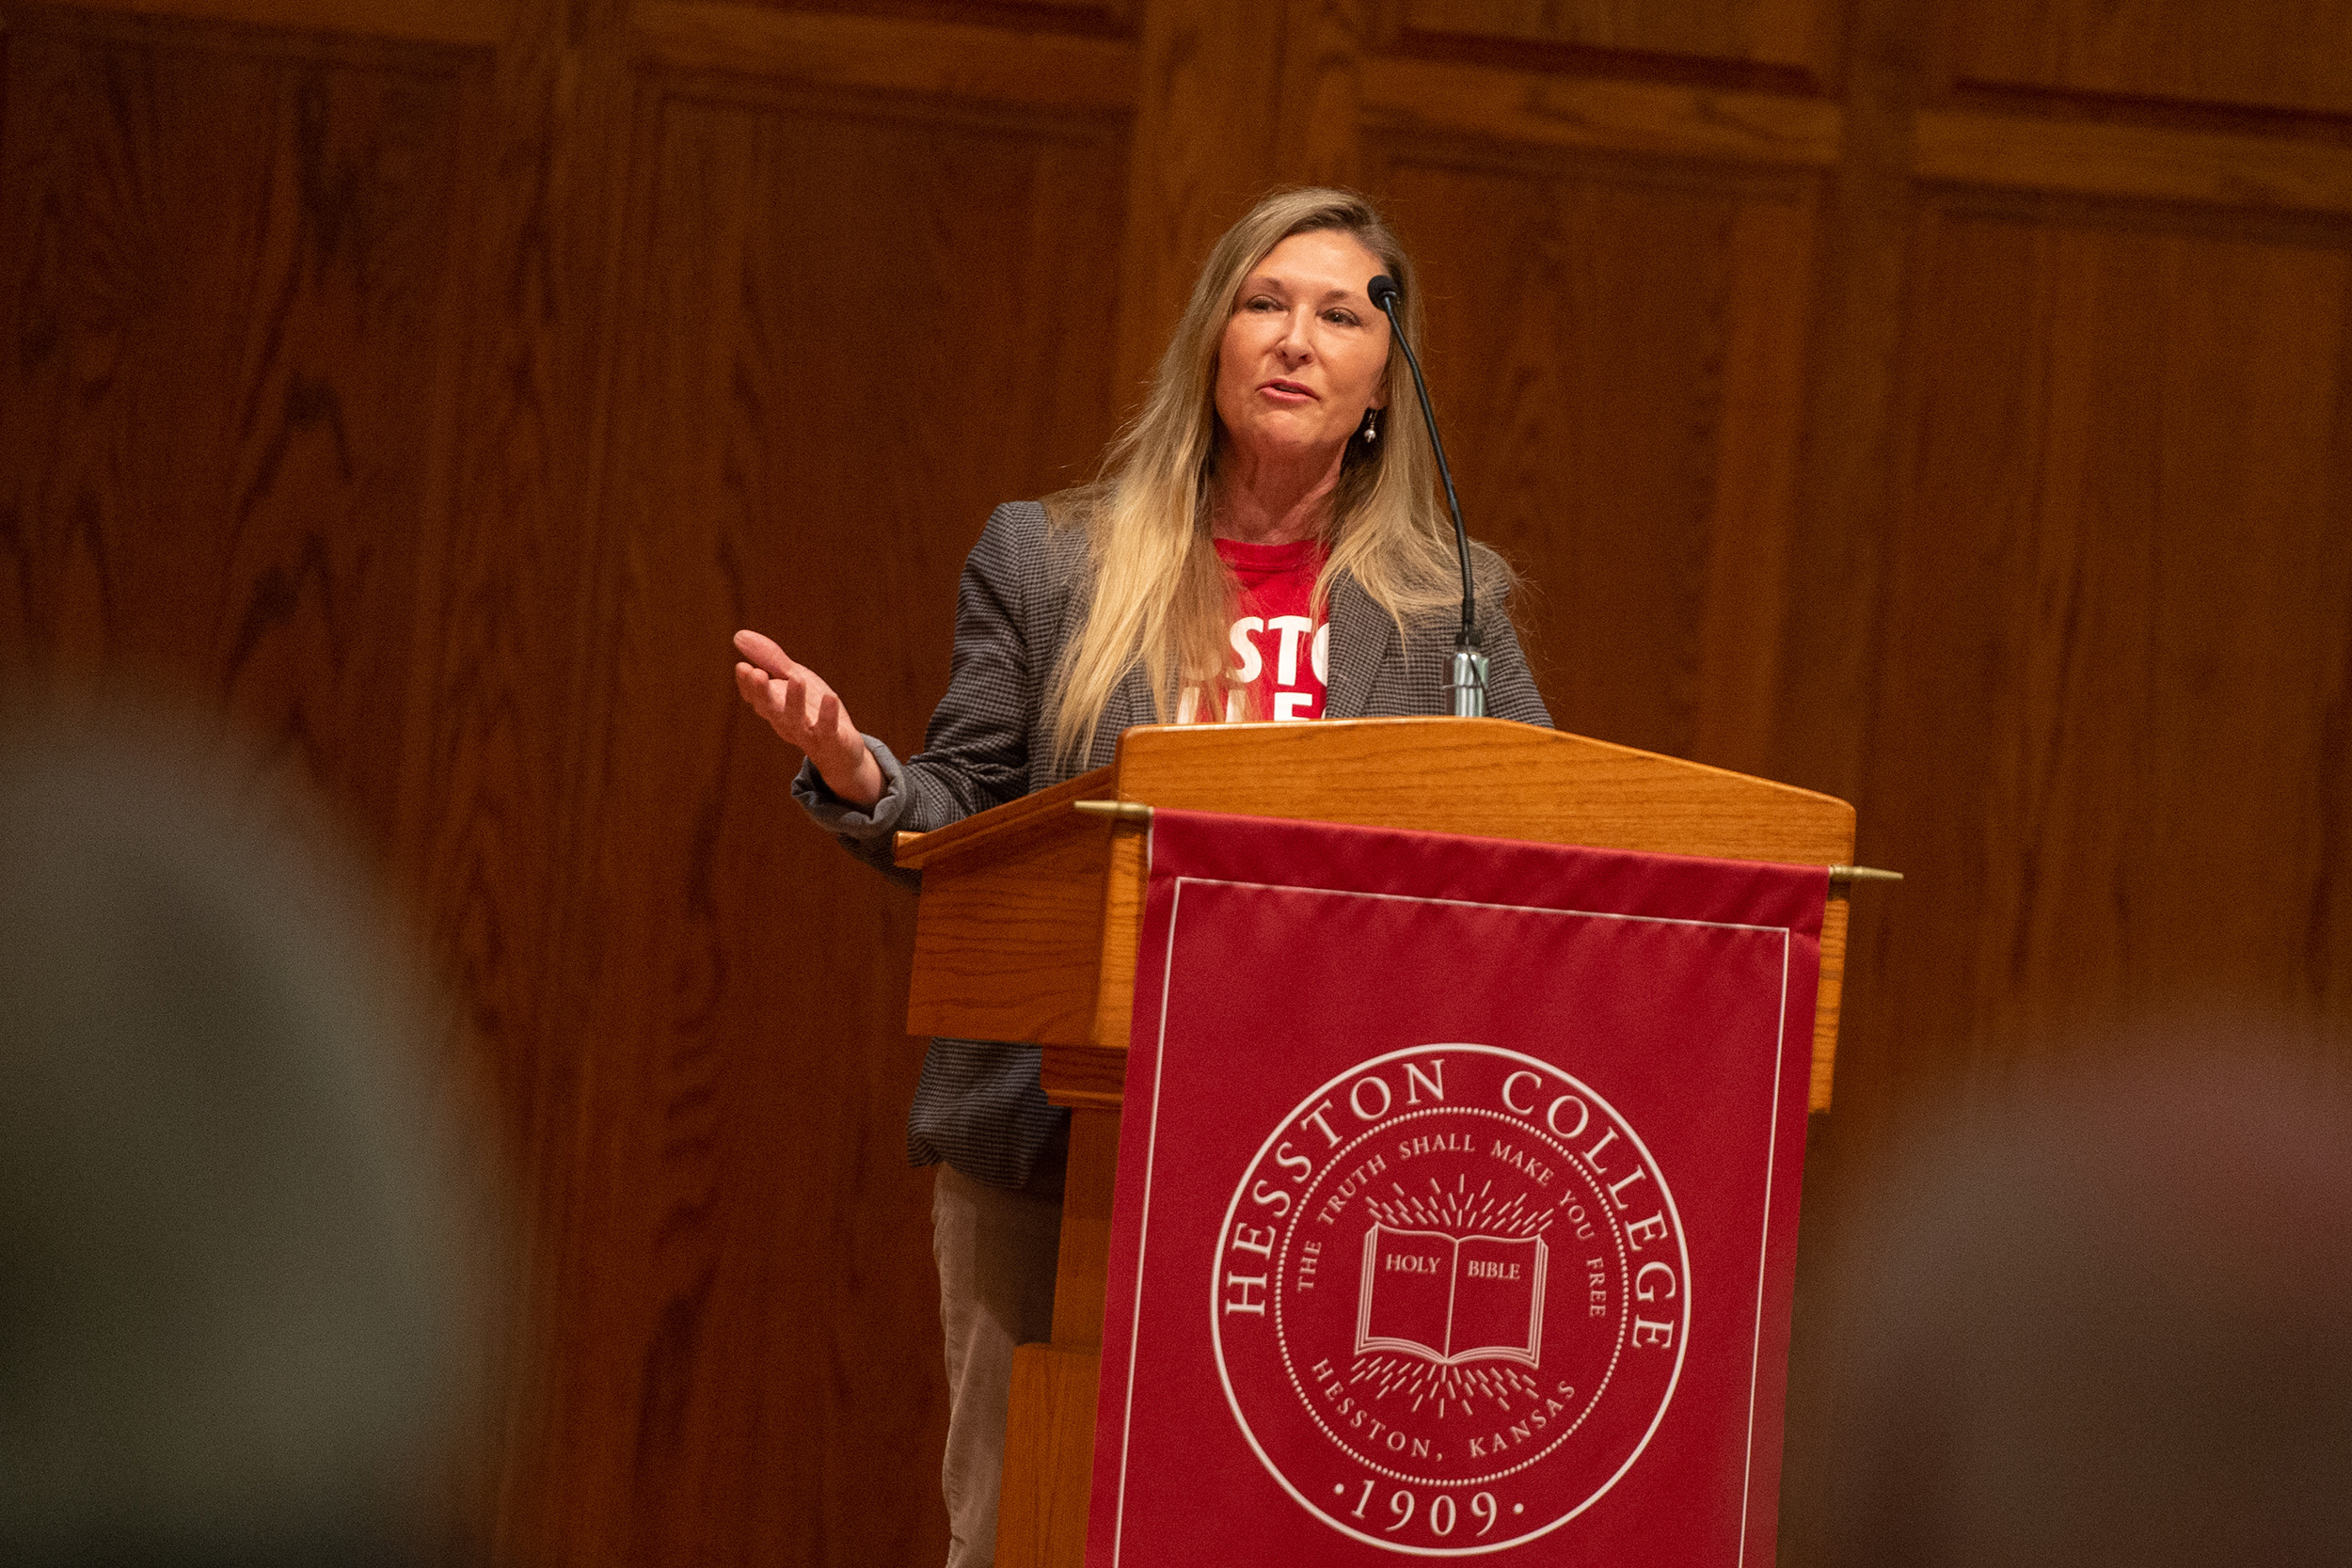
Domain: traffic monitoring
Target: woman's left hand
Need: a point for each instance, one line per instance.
(804, 711)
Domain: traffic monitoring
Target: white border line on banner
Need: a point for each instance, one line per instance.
(1478, 904)
(1143, 1227)
(1764, 1249)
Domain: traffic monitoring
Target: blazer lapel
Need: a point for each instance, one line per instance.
(1360, 634)
(1130, 705)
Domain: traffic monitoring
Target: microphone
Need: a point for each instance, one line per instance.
(1468, 685)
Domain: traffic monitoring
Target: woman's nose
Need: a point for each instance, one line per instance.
(1296, 344)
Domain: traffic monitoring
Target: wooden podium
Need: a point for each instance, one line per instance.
(1028, 923)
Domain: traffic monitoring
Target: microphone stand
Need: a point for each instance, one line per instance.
(1466, 686)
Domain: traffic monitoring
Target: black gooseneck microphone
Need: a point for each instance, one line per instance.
(1467, 687)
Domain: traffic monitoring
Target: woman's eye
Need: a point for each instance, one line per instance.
(1339, 318)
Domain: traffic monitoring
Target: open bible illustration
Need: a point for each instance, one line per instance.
(1452, 1299)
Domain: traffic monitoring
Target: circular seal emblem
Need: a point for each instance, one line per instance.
(1450, 1300)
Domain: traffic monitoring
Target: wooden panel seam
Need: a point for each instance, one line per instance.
(948, 59)
(1431, 96)
(475, 22)
(2139, 161)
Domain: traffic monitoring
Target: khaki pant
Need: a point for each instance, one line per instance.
(996, 1250)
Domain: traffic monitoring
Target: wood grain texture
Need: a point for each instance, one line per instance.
(2133, 161)
(1122, 923)
(918, 56)
(1207, 112)
(1321, 98)
(1086, 1228)
(1411, 99)
(1084, 1077)
(239, 268)
(1615, 352)
(226, 271)
(1829, 998)
(490, 843)
(2293, 55)
(1753, 520)
(1049, 1469)
(1009, 933)
(1104, 15)
(1485, 777)
(462, 21)
(2115, 636)
(791, 450)
(1799, 34)
(1826, 658)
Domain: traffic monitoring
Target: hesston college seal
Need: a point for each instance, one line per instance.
(1450, 1299)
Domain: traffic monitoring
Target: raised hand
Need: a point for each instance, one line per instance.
(804, 710)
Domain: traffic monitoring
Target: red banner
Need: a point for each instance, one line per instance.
(1458, 1202)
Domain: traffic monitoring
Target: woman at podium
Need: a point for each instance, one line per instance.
(1266, 543)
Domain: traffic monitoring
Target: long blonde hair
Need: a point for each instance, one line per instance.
(1162, 600)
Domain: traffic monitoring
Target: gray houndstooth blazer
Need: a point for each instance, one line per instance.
(1025, 593)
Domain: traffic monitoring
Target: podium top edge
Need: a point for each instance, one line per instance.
(1488, 777)
(1408, 731)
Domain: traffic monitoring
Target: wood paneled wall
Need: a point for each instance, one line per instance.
(1943, 403)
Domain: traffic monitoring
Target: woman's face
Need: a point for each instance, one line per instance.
(1304, 351)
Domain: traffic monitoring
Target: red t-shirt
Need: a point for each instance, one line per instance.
(1279, 648)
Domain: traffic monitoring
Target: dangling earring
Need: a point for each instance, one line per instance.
(1372, 425)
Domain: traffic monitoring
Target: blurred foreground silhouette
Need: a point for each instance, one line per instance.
(241, 1266)
(2105, 1318)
